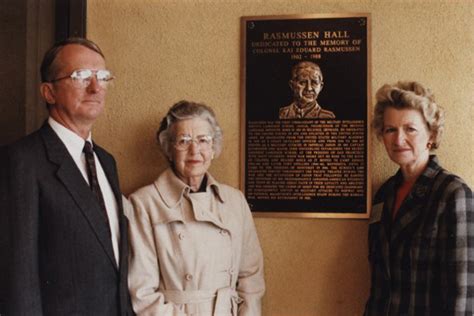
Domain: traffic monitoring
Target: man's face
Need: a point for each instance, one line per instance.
(72, 103)
(306, 86)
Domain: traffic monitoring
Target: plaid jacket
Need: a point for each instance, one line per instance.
(423, 262)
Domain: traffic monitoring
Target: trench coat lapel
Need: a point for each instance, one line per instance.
(173, 191)
(220, 220)
(73, 181)
(225, 220)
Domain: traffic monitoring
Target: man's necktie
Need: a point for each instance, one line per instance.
(92, 175)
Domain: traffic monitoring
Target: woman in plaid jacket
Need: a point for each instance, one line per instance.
(421, 232)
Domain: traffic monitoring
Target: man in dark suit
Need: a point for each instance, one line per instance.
(64, 244)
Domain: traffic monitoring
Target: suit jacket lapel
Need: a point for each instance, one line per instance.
(71, 177)
(110, 172)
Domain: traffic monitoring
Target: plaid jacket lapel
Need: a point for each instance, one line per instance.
(409, 214)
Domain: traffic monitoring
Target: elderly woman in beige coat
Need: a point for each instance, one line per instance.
(194, 247)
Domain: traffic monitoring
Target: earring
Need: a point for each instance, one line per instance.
(429, 145)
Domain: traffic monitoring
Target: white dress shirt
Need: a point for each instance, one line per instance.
(74, 145)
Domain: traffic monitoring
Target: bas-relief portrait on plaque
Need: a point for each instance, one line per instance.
(305, 97)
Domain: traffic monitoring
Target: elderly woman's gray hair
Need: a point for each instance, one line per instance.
(410, 95)
(185, 110)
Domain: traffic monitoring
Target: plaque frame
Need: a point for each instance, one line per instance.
(278, 28)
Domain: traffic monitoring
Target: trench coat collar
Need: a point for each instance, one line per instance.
(414, 205)
(172, 189)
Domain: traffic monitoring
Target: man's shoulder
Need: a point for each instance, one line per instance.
(287, 111)
(23, 155)
(326, 114)
(28, 143)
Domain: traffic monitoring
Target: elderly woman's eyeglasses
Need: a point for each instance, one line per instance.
(83, 77)
(204, 142)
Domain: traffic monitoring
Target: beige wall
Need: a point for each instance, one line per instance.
(163, 51)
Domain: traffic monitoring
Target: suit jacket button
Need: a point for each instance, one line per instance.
(188, 277)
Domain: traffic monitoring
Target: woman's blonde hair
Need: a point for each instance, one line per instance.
(410, 95)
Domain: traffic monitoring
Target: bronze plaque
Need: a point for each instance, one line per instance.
(305, 97)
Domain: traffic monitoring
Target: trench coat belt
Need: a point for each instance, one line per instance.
(218, 301)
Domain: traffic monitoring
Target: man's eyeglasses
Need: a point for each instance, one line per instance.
(183, 142)
(83, 77)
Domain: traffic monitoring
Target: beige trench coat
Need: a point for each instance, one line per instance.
(191, 258)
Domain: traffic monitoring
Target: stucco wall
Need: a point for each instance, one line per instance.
(164, 51)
